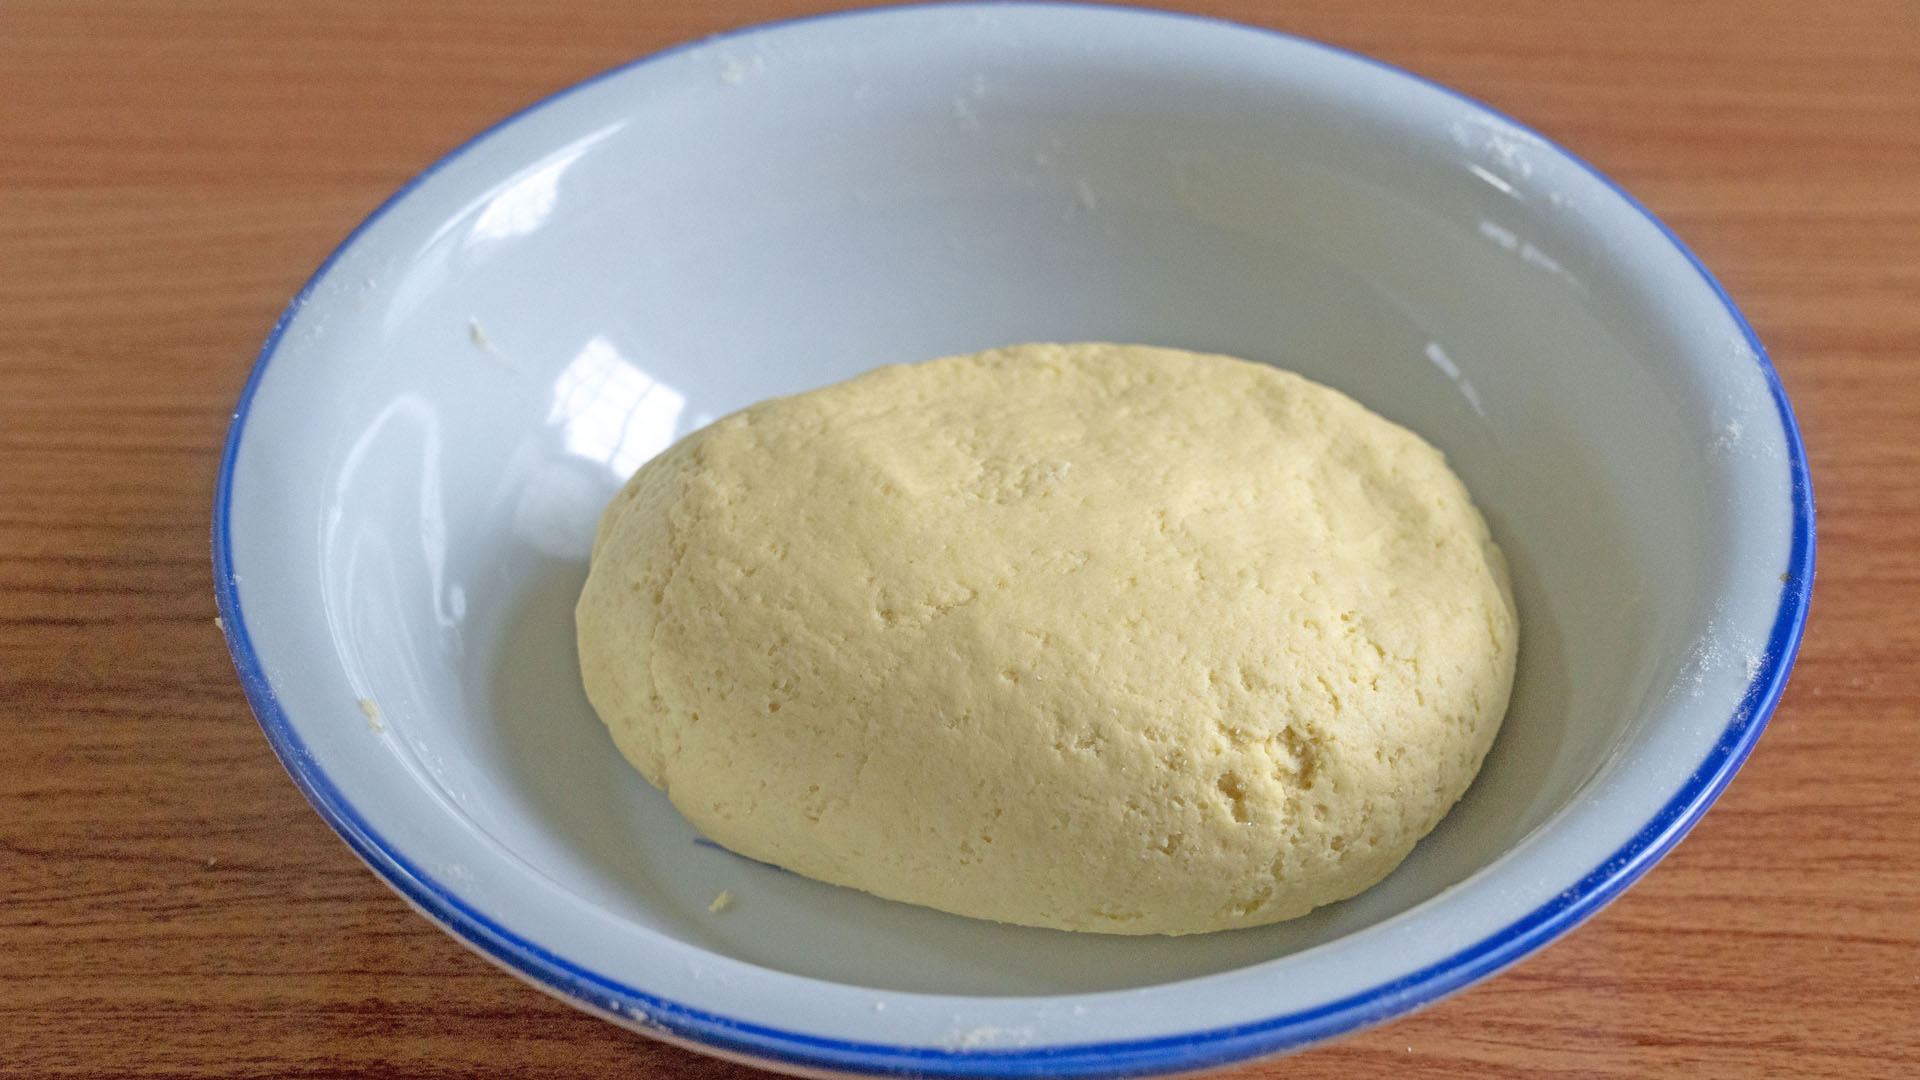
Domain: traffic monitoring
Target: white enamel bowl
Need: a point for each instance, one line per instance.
(414, 472)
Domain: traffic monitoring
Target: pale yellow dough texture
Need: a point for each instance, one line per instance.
(1095, 637)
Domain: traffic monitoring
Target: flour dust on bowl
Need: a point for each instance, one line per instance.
(414, 472)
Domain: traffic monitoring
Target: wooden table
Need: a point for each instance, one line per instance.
(170, 173)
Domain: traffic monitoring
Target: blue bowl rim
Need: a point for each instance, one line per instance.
(1186, 1052)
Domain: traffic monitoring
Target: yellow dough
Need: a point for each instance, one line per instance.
(1095, 637)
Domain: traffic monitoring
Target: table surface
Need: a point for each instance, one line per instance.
(170, 174)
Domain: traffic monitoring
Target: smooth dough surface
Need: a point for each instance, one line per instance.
(1094, 637)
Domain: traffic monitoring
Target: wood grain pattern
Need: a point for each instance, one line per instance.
(169, 174)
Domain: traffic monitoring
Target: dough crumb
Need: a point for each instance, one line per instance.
(485, 344)
(986, 1035)
(371, 710)
(721, 902)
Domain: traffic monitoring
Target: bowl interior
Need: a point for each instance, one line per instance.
(427, 453)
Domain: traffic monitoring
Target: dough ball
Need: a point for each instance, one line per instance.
(1095, 637)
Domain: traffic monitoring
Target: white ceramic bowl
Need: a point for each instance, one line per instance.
(414, 472)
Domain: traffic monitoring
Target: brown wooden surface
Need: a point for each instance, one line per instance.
(171, 172)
